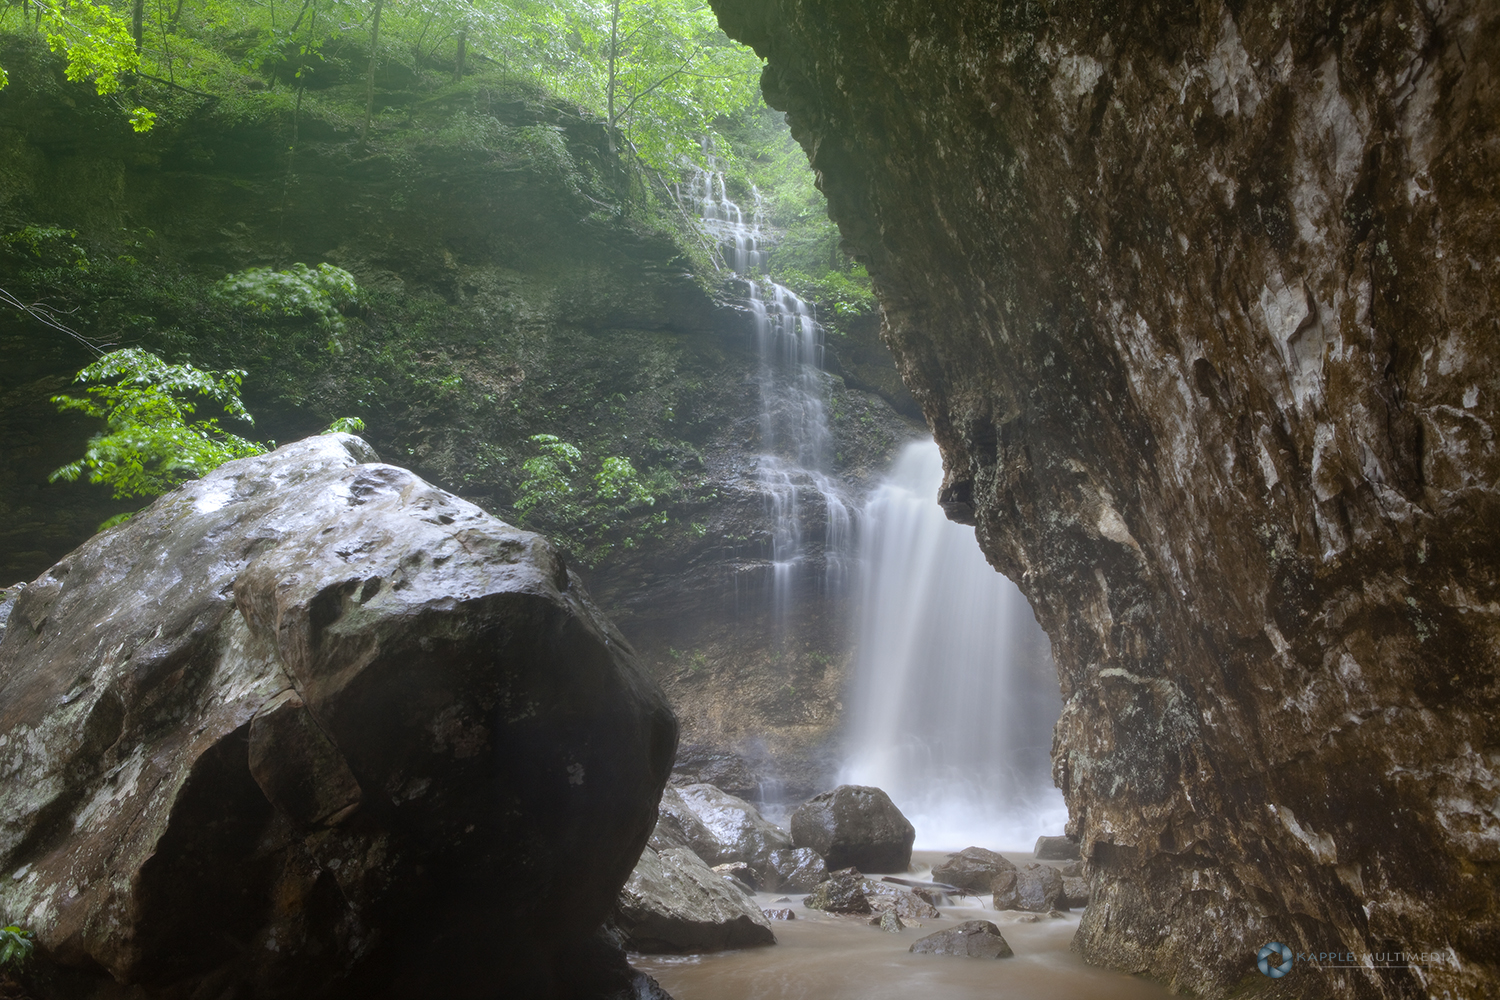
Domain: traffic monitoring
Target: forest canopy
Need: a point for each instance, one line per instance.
(659, 72)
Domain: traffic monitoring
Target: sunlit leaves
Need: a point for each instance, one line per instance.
(150, 444)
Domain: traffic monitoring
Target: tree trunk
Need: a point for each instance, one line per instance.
(364, 132)
(137, 17)
(458, 65)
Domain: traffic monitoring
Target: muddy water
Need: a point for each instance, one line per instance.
(820, 956)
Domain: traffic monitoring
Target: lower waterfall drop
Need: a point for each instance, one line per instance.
(954, 692)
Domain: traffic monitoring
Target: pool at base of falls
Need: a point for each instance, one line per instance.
(822, 956)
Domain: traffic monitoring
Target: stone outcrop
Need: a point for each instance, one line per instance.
(855, 825)
(307, 724)
(842, 892)
(675, 903)
(1199, 301)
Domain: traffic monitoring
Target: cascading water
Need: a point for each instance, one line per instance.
(954, 690)
(794, 435)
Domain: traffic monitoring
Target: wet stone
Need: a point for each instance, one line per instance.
(970, 939)
(844, 892)
(972, 869)
(1056, 849)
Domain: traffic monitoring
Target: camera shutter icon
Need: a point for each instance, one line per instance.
(1274, 960)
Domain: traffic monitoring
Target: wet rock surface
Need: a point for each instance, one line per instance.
(1199, 301)
(1055, 849)
(799, 869)
(673, 903)
(855, 825)
(1075, 892)
(970, 939)
(246, 736)
(737, 830)
(1035, 888)
(972, 869)
(843, 892)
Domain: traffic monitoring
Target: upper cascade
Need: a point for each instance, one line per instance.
(793, 434)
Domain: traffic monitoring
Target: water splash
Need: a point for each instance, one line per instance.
(954, 691)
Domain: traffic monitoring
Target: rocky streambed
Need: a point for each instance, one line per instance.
(974, 923)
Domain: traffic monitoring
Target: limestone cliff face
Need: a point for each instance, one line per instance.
(1200, 300)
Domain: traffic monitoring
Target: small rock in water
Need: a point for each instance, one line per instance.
(904, 902)
(1056, 849)
(888, 922)
(972, 939)
(784, 913)
(1057, 915)
(844, 892)
(783, 899)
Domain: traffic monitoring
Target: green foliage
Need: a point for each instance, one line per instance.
(302, 292)
(347, 425)
(845, 293)
(149, 445)
(16, 945)
(586, 511)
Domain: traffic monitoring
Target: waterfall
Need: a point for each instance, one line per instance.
(954, 693)
(790, 471)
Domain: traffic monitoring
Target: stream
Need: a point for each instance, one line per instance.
(822, 956)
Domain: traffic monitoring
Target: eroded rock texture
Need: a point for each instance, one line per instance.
(312, 727)
(1199, 299)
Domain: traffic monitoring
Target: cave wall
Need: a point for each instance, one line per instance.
(1200, 301)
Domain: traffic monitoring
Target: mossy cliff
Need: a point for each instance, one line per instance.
(1199, 299)
(509, 290)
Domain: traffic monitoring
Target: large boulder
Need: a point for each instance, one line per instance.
(677, 825)
(1056, 849)
(310, 725)
(1035, 888)
(970, 939)
(738, 831)
(673, 902)
(855, 825)
(972, 869)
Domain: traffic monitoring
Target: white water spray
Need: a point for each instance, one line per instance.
(954, 690)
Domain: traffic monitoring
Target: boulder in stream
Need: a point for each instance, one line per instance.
(738, 830)
(797, 869)
(970, 939)
(674, 903)
(677, 825)
(1035, 888)
(899, 899)
(1056, 849)
(972, 869)
(1075, 892)
(843, 892)
(855, 825)
(313, 724)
